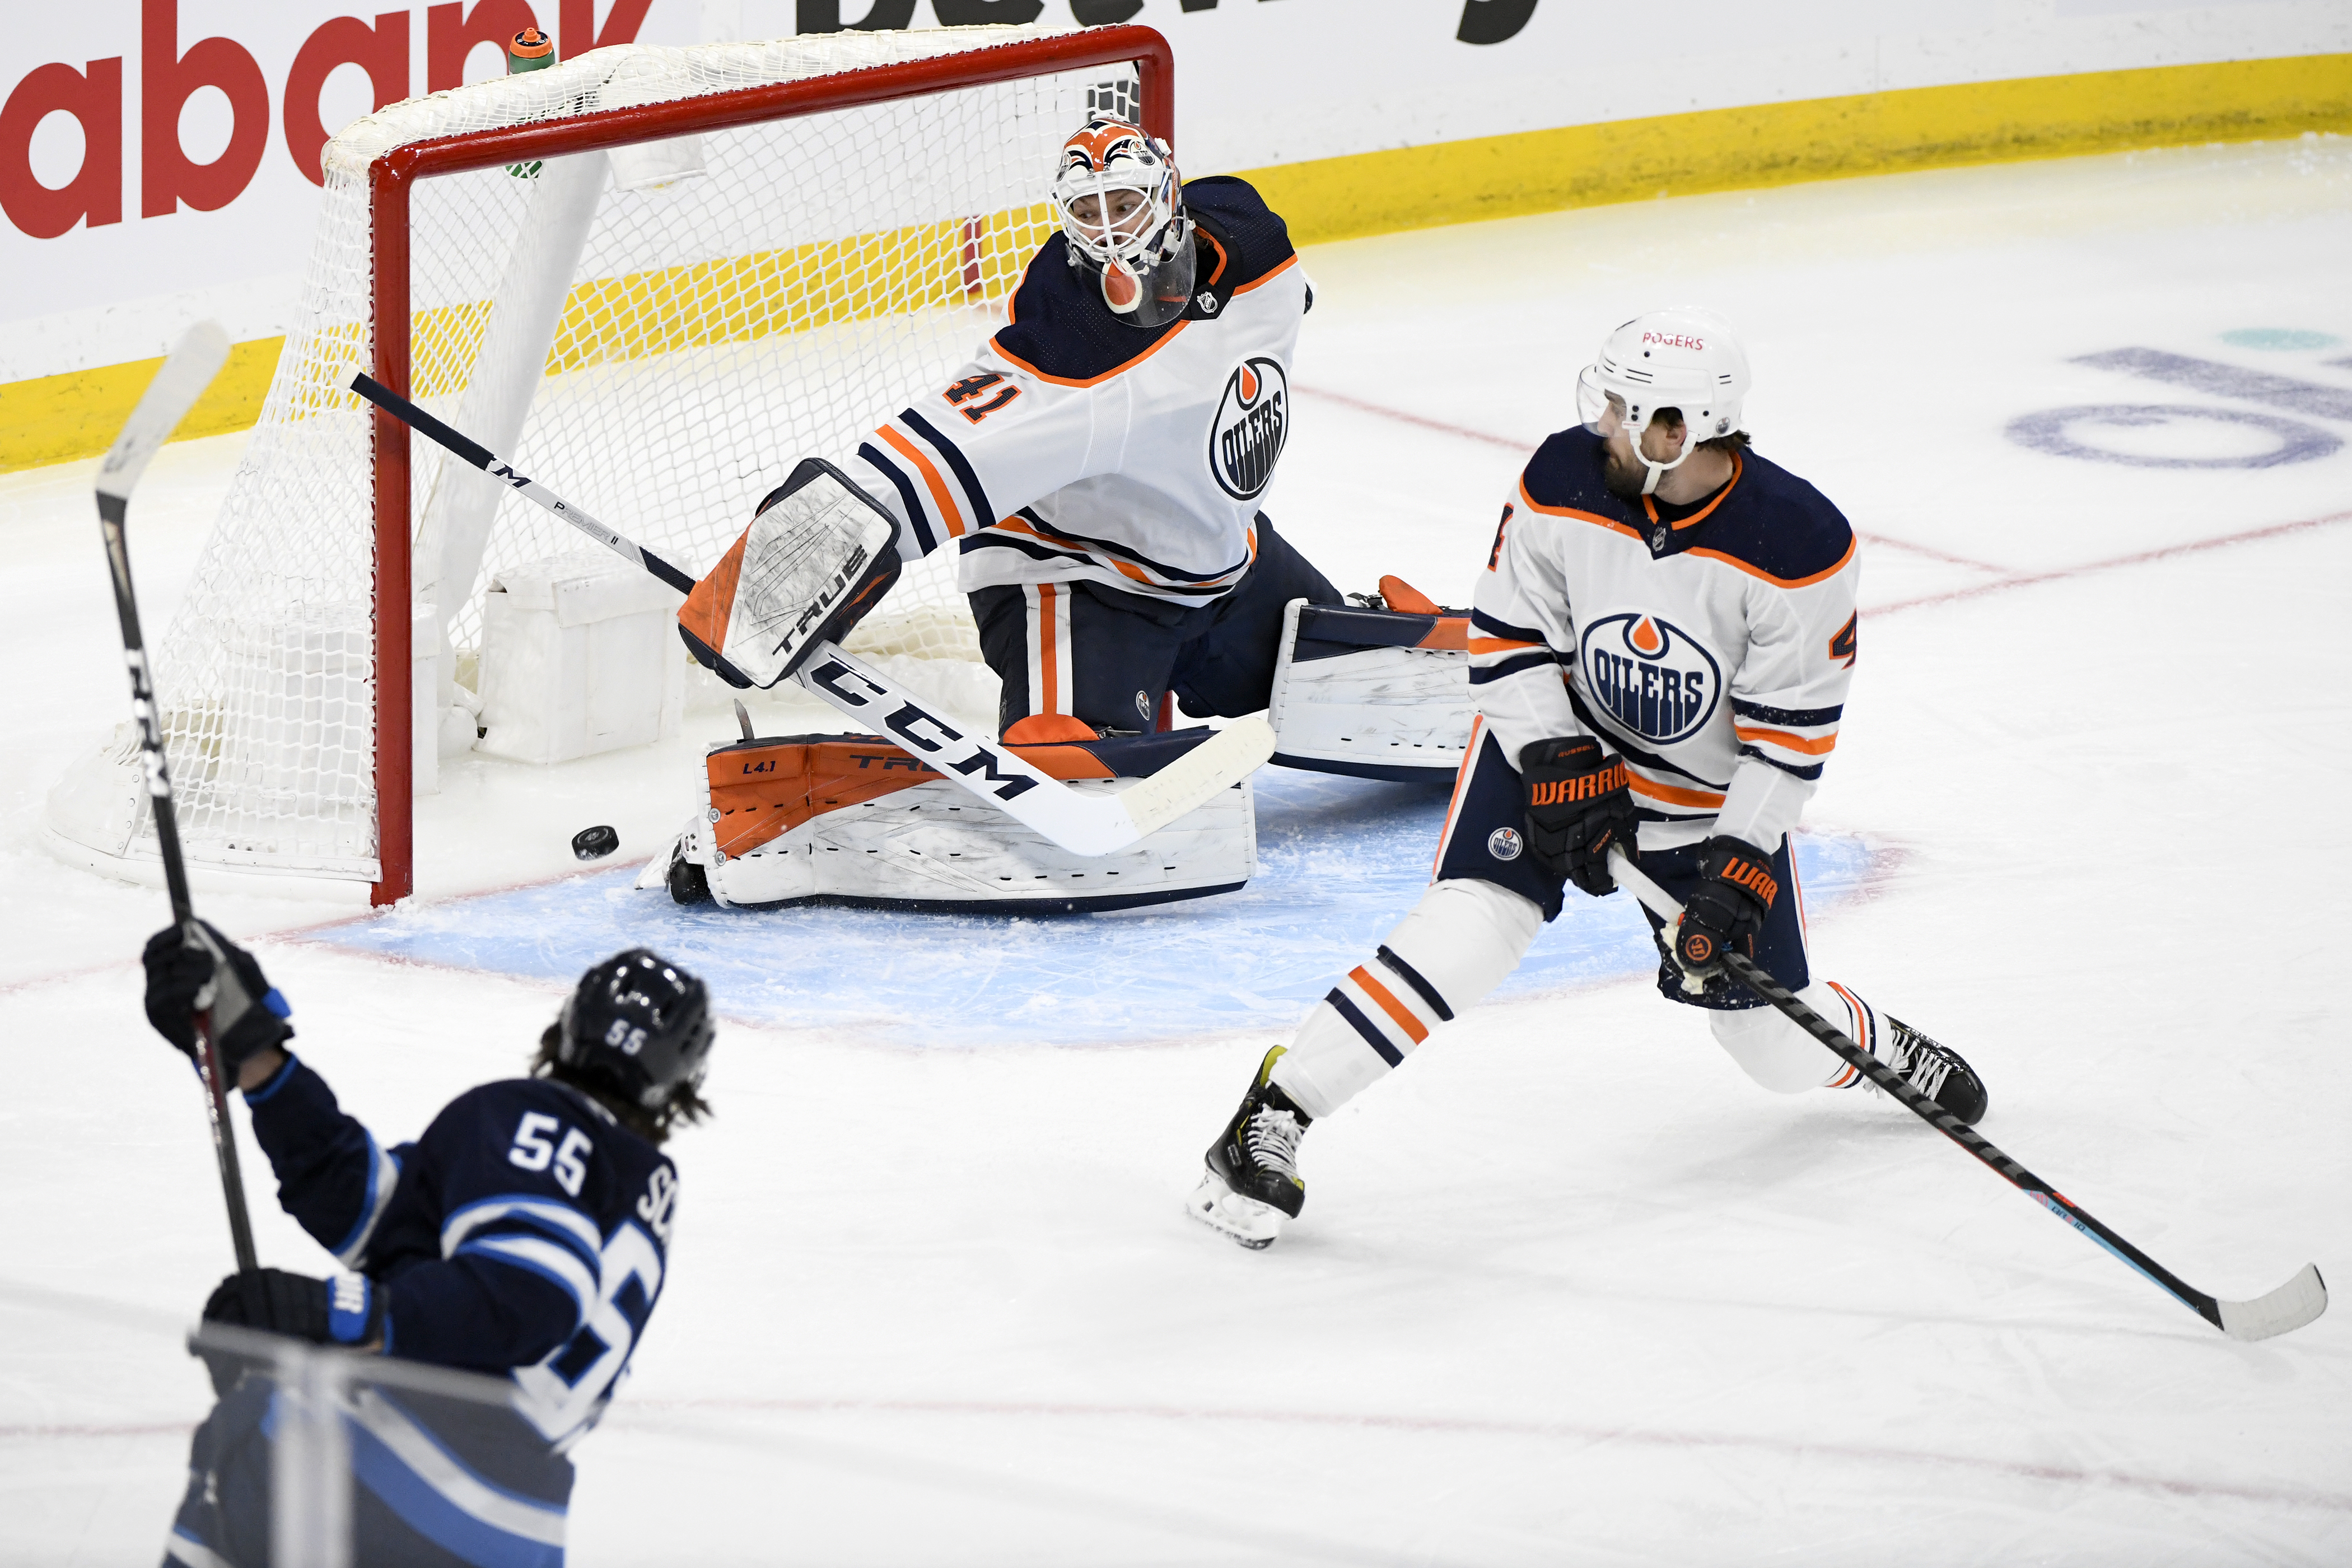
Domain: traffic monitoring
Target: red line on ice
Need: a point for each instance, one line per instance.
(1514, 444)
(2140, 558)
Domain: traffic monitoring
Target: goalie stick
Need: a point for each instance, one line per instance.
(2289, 1307)
(193, 363)
(1080, 823)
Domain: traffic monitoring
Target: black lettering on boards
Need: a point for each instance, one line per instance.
(1486, 21)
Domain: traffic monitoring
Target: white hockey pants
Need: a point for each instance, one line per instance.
(1460, 943)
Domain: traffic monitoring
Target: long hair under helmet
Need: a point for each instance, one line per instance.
(1143, 263)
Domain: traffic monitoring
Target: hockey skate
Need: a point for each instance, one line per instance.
(1253, 1183)
(1938, 1072)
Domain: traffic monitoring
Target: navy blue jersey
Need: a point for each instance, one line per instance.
(525, 1232)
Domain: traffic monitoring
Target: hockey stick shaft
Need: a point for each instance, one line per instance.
(190, 368)
(1758, 980)
(1082, 824)
(459, 446)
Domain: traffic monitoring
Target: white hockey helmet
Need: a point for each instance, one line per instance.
(1144, 263)
(1685, 359)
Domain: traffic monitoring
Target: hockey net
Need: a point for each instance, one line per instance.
(687, 269)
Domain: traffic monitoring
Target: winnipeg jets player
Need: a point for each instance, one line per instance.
(1096, 465)
(1661, 646)
(526, 1232)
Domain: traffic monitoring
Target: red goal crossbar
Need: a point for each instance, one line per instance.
(392, 181)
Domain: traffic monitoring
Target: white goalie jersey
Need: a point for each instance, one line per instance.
(1077, 447)
(1710, 647)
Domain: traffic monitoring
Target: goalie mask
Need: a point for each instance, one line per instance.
(1686, 360)
(1133, 237)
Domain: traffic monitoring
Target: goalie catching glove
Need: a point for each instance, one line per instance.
(1578, 806)
(819, 555)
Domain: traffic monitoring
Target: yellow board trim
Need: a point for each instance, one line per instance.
(59, 418)
(1816, 139)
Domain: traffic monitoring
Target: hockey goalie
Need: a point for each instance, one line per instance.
(1097, 466)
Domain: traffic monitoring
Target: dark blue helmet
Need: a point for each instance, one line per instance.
(638, 1025)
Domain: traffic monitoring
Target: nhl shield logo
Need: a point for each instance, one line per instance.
(1653, 678)
(1252, 421)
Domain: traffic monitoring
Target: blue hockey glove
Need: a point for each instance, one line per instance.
(1735, 890)
(207, 973)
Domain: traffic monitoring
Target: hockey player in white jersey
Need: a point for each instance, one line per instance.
(1661, 645)
(1097, 466)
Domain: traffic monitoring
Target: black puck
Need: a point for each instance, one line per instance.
(594, 843)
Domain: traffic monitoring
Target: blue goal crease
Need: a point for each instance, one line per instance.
(1341, 862)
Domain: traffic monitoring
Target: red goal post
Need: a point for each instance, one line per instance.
(394, 179)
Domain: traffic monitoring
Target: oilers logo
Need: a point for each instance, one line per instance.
(1653, 677)
(1252, 421)
(1504, 844)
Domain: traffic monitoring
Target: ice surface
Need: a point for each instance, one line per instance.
(1340, 859)
(1570, 1290)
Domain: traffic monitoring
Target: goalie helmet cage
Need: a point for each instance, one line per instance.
(653, 277)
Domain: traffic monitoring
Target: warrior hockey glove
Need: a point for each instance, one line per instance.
(186, 977)
(1578, 806)
(345, 1310)
(1735, 892)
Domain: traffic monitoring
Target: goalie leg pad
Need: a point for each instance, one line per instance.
(1374, 693)
(820, 555)
(857, 820)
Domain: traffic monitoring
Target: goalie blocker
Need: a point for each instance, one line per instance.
(857, 820)
(819, 554)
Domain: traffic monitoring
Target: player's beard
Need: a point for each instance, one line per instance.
(1623, 478)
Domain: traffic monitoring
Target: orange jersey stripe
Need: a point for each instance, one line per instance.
(1461, 783)
(1010, 358)
(940, 498)
(1495, 644)
(1049, 672)
(1649, 504)
(1389, 1004)
(1820, 748)
(1823, 576)
(1673, 795)
(1608, 522)
(1261, 282)
(1861, 1023)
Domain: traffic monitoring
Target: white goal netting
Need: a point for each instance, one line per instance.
(658, 333)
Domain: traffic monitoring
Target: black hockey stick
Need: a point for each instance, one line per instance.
(1084, 823)
(2289, 1307)
(167, 402)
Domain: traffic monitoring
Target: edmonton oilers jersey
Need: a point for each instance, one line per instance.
(1076, 448)
(526, 1232)
(1709, 646)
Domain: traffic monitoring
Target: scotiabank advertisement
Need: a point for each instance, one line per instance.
(159, 158)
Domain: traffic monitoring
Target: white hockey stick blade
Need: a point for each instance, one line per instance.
(1081, 824)
(1239, 749)
(198, 358)
(2289, 1307)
